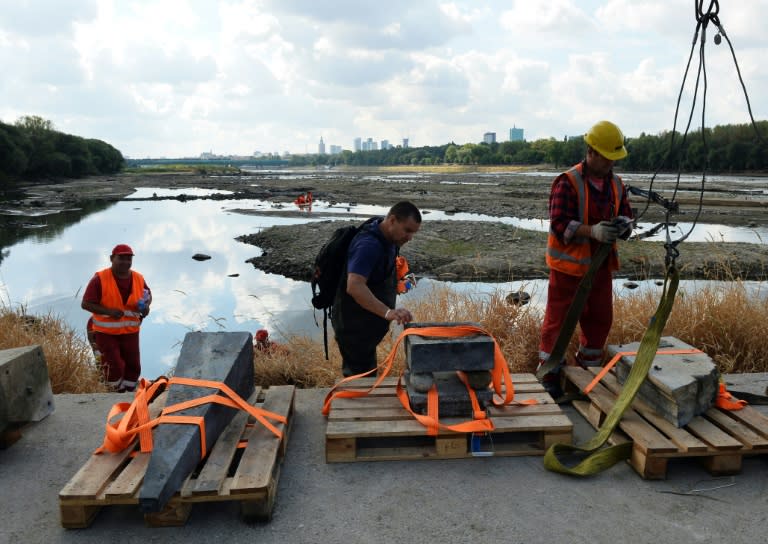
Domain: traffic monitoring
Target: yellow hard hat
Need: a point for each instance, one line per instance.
(607, 139)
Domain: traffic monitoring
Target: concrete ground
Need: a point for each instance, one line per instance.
(491, 499)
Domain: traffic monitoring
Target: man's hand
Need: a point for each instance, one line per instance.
(625, 226)
(401, 315)
(605, 232)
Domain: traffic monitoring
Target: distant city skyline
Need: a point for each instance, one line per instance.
(358, 144)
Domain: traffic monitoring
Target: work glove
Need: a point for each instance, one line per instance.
(605, 232)
(625, 226)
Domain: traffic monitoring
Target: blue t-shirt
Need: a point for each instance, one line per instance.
(371, 255)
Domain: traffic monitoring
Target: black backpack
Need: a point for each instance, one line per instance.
(330, 263)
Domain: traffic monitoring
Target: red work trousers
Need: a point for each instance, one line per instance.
(120, 359)
(595, 319)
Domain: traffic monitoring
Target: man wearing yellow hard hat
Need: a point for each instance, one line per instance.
(588, 206)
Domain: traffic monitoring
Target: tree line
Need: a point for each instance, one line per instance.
(726, 148)
(32, 149)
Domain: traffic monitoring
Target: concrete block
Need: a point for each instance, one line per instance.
(453, 398)
(432, 354)
(218, 356)
(25, 389)
(679, 387)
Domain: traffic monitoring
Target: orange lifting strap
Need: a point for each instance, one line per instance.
(723, 400)
(480, 423)
(620, 354)
(136, 421)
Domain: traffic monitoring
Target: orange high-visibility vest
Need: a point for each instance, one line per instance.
(575, 257)
(111, 298)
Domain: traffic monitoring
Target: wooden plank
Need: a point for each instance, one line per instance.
(339, 450)
(75, 516)
(712, 435)
(129, 480)
(753, 419)
(583, 407)
(749, 438)
(684, 440)
(93, 477)
(723, 465)
(261, 455)
(216, 467)
(520, 381)
(174, 514)
(644, 435)
(649, 467)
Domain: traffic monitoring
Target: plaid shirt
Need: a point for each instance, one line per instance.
(564, 206)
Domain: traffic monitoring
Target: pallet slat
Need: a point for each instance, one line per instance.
(256, 466)
(213, 474)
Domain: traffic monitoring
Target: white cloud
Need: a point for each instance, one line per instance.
(184, 76)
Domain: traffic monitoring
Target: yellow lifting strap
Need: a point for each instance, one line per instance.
(595, 458)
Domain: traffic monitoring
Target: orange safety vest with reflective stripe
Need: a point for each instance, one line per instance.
(575, 257)
(111, 298)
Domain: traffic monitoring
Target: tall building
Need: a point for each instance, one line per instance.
(321, 147)
(489, 137)
(335, 149)
(405, 143)
(384, 145)
(516, 134)
(369, 145)
(358, 145)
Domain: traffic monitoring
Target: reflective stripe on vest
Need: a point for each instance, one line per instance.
(111, 298)
(575, 257)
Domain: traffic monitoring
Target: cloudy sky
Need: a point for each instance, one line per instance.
(178, 77)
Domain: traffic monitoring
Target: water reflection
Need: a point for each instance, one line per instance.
(46, 270)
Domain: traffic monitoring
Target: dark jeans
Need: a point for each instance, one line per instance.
(358, 351)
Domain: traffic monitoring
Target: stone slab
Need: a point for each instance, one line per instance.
(219, 356)
(431, 354)
(678, 387)
(453, 399)
(25, 389)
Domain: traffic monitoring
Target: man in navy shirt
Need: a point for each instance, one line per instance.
(365, 305)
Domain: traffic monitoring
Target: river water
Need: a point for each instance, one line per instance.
(46, 270)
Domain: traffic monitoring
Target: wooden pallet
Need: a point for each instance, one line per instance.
(247, 474)
(378, 428)
(719, 438)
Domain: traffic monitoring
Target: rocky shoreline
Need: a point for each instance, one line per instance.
(443, 249)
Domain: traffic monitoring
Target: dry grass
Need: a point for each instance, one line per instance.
(71, 367)
(515, 328)
(724, 320)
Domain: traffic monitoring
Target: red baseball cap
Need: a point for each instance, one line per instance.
(122, 249)
(262, 335)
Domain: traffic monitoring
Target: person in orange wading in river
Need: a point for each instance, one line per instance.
(304, 201)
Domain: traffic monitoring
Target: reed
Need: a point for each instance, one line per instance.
(301, 361)
(71, 366)
(728, 321)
